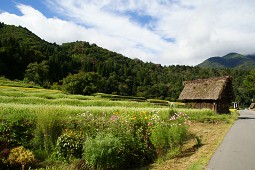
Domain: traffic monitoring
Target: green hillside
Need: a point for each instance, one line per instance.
(231, 60)
(84, 68)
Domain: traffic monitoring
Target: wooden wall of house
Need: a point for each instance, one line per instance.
(201, 105)
(217, 106)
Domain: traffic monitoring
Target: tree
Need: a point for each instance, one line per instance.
(248, 84)
(38, 73)
(82, 83)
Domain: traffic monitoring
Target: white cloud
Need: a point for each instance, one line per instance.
(50, 29)
(200, 29)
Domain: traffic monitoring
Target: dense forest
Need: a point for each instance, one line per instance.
(84, 68)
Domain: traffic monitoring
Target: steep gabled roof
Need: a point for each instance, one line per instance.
(204, 89)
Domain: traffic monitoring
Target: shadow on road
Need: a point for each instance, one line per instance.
(246, 114)
(246, 117)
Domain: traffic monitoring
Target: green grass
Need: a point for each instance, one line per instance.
(23, 99)
(196, 166)
(17, 83)
(50, 108)
(21, 95)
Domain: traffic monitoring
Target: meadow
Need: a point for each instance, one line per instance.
(48, 129)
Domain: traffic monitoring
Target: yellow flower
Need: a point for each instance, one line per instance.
(143, 112)
(133, 118)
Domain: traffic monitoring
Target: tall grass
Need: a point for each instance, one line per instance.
(138, 127)
(202, 115)
(49, 125)
(5, 82)
(73, 102)
(29, 96)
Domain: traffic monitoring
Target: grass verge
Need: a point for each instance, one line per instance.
(197, 158)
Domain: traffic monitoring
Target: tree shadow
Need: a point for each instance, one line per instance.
(190, 151)
(245, 117)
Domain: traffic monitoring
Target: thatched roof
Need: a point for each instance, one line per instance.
(204, 89)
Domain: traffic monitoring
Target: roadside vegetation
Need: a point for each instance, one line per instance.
(49, 129)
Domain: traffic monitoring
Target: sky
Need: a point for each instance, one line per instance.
(167, 32)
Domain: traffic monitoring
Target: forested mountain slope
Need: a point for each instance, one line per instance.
(23, 55)
(231, 60)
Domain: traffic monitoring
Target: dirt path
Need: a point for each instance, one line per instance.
(237, 151)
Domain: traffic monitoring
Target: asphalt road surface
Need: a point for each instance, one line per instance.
(237, 151)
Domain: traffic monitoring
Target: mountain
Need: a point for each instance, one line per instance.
(231, 60)
(25, 56)
(18, 48)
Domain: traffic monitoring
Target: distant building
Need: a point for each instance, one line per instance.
(235, 105)
(213, 93)
(252, 106)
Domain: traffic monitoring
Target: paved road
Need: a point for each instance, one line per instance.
(237, 151)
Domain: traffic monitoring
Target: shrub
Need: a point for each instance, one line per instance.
(177, 135)
(4, 158)
(103, 151)
(16, 131)
(133, 131)
(22, 156)
(159, 139)
(170, 134)
(69, 144)
(137, 152)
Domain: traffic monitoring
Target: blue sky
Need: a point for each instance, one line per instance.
(168, 32)
(10, 6)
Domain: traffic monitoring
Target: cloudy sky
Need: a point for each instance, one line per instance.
(168, 32)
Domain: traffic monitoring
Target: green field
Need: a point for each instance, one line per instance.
(59, 127)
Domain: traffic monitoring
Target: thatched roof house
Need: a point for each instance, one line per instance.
(214, 93)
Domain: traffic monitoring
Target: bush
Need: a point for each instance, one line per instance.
(22, 156)
(159, 139)
(69, 144)
(16, 131)
(4, 158)
(133, 131)
(137, 152)
(170, 135)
